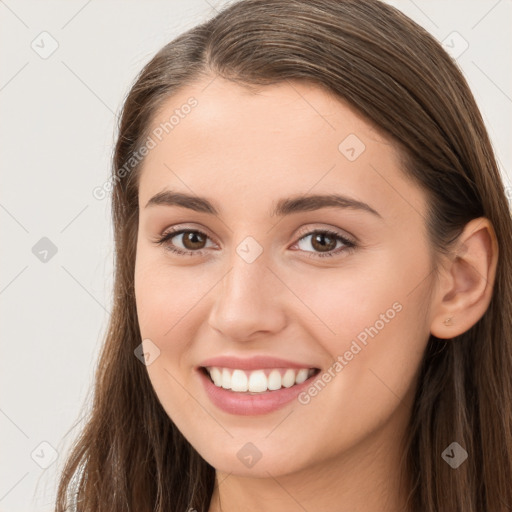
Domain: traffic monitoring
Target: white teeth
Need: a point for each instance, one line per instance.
(288, 379)
(257, 381)
(274, 380)
(226, 378)
(239, 381)
(302, 375)
(216, 376)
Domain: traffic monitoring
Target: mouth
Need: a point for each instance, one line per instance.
(256, 382)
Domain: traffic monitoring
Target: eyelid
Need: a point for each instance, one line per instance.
(304, 230)
(174, 230)
(308, 230)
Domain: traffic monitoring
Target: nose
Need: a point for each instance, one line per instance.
(248, 302)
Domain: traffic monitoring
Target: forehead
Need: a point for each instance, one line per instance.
(221, 139)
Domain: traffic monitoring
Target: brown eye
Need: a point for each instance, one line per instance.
(193, 240)
(188, 242)
(323, 242)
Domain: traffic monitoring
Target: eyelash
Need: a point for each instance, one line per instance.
(349, 244)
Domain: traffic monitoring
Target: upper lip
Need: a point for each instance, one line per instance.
(253, 363)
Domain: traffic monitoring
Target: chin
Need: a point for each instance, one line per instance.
(256, 460)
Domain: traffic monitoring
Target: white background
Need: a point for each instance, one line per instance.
(57, 131)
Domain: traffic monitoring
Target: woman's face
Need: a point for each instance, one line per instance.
(256, 283)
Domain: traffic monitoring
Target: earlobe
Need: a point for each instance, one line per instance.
(467, 281)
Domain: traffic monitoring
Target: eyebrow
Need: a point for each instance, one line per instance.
(282, 207)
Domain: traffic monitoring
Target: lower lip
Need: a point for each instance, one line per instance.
(245, 404)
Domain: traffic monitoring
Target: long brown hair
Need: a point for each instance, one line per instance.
(130, 455)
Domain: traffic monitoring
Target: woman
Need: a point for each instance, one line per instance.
(313, 289)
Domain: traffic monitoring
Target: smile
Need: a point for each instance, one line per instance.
(258, 381)
(253, 392)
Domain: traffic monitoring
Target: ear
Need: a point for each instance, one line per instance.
(466, 280)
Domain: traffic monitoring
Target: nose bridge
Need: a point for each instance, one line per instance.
(245, 300)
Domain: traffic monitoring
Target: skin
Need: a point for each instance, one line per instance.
(244, 151)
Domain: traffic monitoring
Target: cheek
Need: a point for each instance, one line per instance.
(170, 308)
(370, 318)
(371, 291)
(165, 295)
(165, 303)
